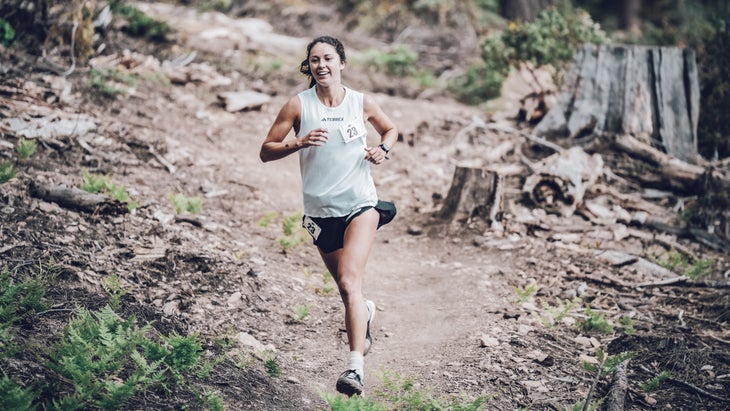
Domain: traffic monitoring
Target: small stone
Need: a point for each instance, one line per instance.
(235, 299)
(414, 230)
(581, 340)
(487, 341)
(292, 380)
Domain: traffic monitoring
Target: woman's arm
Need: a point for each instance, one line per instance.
(274, 147)
(383, 125)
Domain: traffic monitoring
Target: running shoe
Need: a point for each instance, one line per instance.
(349, 383)
(371, 316)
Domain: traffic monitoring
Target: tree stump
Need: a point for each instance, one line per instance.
(474, 193)
(651, 93)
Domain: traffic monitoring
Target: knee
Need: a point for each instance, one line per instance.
(350, 286)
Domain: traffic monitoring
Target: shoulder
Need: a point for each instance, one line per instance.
(369, 105)
(294, 103)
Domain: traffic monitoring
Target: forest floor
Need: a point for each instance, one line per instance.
(463, 310)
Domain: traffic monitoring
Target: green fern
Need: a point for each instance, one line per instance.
(7, 172)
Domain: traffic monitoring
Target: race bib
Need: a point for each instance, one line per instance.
(311, 227)
(352, 131)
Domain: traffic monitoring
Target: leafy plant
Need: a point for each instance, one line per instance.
(217, 5)
(595, 322)
(653, 383)
(139, 23)
(18, 299)
(93, 353)
(678, 262)
(293, 232)
(13, 396)
(108, 359)
(182, 204)
(607, 363)
(7, 34)
(592, 406)
(524, 294)
(272, 365)
(26, 148)
(301, 311)
(268, 218)
(97, 183)
(354, 403)
(400, 394)
(111, 82)
(113, 286)
(398, 61)
(548, 41)
(213, 401)
(627, 324)
(7, 172)
(327, 284)
(555, 314)
(478, 84)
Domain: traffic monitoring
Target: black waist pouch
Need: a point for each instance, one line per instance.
(387, 212)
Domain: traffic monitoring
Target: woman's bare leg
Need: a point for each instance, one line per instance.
(347, 266)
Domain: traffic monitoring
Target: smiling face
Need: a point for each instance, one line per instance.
(325, 65)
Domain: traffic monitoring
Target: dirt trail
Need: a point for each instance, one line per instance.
(448, 315)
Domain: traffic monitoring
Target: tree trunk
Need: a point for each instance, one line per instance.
(651, 93)
(523, 10)
(474, 193)
(630, 16)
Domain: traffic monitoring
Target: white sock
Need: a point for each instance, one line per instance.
(357, 363)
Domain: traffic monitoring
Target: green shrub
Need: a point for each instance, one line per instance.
(18, 299)
(272, 365)
(139, 23)
(627, 325)
(26, 148)
(111, 82)
(182, 204)
(14, 397)
(109, 359)
(97, 183)
(7, 172)
(7, 34)
(653, 383)
(548, 41)
(607, 363)
(398, 61)
(300, 312)
(293, 232)
(94, 353)
(478, 84)
(680, 263)
(595, 322)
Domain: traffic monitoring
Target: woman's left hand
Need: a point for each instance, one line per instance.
(375, 155)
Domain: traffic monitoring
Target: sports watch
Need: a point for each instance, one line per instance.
(385, 147)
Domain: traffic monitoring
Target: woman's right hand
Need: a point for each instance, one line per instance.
(316, 137)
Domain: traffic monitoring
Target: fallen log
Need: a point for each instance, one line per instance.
(616, 399)
(671, 171)
(77, 199)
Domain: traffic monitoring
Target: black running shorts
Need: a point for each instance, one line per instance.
(328, 233)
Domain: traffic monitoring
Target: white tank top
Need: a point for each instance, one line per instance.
(336, 177)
